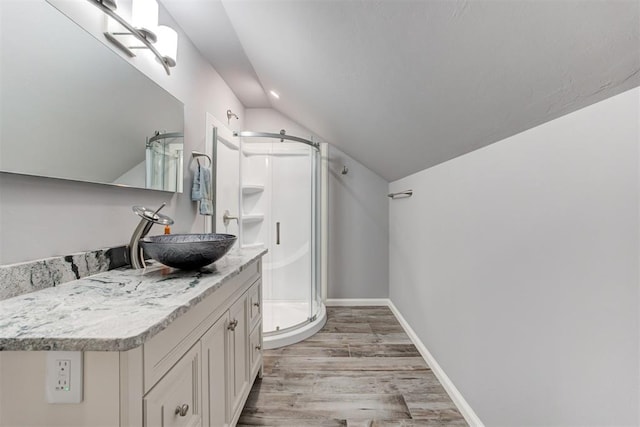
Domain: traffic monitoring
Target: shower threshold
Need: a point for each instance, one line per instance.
(291, 335)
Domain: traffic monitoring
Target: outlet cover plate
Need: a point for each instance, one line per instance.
(63, 383)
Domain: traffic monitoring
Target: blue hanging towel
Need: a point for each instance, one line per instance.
(201, 190)
(206, 203)
(196, 188)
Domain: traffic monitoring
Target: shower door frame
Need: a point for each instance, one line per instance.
(316, 288)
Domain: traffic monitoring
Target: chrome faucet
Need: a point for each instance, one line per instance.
(149, 217)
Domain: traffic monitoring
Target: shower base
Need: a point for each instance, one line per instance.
(292, 319)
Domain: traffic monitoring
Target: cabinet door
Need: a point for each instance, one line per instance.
(238, 357)
(255, 350)
(255, 304)
(175, 400)
(215, 351)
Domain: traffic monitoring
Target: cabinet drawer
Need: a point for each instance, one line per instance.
(255, 304)
(255, 350)
(162, 351)
(175, 400)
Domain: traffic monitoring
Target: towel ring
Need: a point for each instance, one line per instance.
(197, 154)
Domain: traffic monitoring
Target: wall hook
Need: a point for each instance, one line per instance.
(345, 170)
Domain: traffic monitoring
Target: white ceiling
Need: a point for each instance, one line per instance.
(405, 85)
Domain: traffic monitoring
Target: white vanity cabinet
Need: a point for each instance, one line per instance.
(189, 359)
(209, 384)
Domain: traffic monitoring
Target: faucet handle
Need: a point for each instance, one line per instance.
(151, 216)
(226, 218)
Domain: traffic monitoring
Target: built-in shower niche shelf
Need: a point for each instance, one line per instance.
(252, 218)
(249, 189)
(252, 200)
(252, 230)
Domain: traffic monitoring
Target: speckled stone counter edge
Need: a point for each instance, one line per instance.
(31, 276)
(123, 343)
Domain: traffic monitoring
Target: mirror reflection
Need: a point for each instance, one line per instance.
(71, 108)
(163, 162)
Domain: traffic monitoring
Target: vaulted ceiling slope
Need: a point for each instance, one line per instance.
(405, 85)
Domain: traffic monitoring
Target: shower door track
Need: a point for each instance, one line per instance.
(280, 136)
(289, 328)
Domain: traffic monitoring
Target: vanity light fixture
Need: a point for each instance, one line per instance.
(144, 18)
(274, 94)
(162, 41)
(167, 44)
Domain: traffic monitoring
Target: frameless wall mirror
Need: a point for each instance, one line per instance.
(71, 108)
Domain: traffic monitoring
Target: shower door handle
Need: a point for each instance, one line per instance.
(277, 233)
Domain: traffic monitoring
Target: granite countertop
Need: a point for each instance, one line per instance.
(112, 311)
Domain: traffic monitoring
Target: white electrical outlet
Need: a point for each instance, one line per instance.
(64, 377)
(62, 371)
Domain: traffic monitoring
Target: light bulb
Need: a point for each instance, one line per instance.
(144, 17)
(167, 44)
(114, 26)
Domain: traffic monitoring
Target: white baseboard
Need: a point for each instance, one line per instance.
(457, 398)
(357, 302)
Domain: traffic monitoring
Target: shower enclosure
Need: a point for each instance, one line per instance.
(280, 178)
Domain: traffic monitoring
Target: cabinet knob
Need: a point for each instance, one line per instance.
(258, 347)
(257, 304)
(182, 410)
(232, 325)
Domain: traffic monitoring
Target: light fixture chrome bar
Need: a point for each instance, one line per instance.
(400, 194)
(134, 32)
(111, 4)
(119, 44)
(250, 134)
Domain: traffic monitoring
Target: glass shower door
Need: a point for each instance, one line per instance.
(278, 210)
(291, 222)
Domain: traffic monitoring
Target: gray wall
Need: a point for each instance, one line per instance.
(517, 266)
(41, 217)
(358, 230)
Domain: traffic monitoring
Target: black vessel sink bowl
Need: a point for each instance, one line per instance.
(187, 251)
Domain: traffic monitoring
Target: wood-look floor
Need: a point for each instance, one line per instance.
(361, 369)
